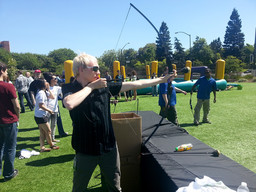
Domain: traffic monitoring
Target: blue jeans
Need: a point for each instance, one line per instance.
(22, 106)
(59, 124)
(154, 91)
(8, 141)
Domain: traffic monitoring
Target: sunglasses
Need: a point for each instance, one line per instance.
(94, 68)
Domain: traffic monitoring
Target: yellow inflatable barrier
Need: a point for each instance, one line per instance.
(220, 69)
(187, 76)
(123, 71)
(154, 68)
(116, 66)
(174, 66)
(68, 67)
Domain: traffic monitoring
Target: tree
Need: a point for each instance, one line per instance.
(163, 43)
(201, 53)
(234, 38)
(12, 68)
(6, 57)
(27, 61)
(108, 58)
(233, 65)
(216, 46)
(103, 68)
(59, 56)
(179, 55)
(147, 53)
(246, 54)
(47, 62)
(130, 57)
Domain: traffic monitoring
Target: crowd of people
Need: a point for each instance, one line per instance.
(42, 96)
(87, 97)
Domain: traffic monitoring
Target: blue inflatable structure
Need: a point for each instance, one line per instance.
(187, 85)
(184, 85)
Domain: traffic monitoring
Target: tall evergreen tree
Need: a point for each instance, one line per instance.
(234, 38)
(163, 44)
(179, 55)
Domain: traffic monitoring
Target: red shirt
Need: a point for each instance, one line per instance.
(7, 112)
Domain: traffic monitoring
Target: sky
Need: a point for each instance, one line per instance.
(95, 26)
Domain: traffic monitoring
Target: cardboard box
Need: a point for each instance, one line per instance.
(128, 128)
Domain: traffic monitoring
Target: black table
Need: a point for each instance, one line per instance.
(163, 172)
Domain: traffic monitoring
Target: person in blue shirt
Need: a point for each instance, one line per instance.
(167, 100)
(206, 85)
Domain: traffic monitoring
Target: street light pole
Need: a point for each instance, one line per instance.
(122, 52)
(189, 39)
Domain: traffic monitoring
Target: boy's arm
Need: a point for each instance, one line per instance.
(180, 91)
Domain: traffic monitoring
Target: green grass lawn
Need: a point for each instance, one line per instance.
(233, 132)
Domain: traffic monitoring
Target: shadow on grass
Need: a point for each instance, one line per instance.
(144, 96)
(99, 189)
(27, 146)
(59, 136)
(187, 125)
(51, 160)
(20, 139)
(2, 181)
(28, 129)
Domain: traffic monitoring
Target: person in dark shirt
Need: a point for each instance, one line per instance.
(129, 92)
(33, 87)
(119, 78)
(9, 120)
(206, 85)
(108, 76)
(88, 100)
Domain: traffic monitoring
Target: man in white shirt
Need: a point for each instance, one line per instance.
(22, 86)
